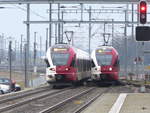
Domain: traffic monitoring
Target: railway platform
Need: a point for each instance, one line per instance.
(121, 103)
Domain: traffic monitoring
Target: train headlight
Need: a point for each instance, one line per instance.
(110, 69)
(67, 69)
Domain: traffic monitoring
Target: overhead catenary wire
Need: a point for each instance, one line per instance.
(33, 12)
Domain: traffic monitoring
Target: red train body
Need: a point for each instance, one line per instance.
(66, 65)
(105, 64)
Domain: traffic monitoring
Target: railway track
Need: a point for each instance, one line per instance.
(20, 94)
(20, 99)
(52, 100)
(65, 101)
(78, 103)
(57, 101)
(80, 109)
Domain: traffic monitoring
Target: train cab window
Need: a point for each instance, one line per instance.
(60, 58)
(104, 59)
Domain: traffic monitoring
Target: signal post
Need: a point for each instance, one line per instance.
(142, 31)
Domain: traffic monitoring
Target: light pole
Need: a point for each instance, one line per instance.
(10, 59)
(62, 26)
(25, 66)
(90, 15)
(46, 42)
(56, 38)
(21, 49)
(27, 47)
(59, 40)
(50, 25)
(34, 58)
(40, 48)
(125, 50)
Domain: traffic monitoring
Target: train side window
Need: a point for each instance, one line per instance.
(79, 65)
(81, 62)
(86, 65)
(82, 65)
(116, 64)
(47, 63)
(73, 63)
(92, 64)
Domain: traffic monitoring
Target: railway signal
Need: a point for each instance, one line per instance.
(143, 11)
(142, 33)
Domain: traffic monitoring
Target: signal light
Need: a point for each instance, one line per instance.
(143, 7)
(143, 12)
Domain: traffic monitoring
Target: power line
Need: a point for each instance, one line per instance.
(33, 12)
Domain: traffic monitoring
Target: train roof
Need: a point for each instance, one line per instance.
(79, 52)
(66, 46)
(61, 46)
(106, 49)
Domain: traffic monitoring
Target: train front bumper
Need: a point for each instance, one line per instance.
(50, 78)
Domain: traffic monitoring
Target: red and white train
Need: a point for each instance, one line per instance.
(105, 64)
(67, 65)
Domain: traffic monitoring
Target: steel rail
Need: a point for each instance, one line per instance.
(50, 94)
(65, 101)
(90, 101)
(11, 97)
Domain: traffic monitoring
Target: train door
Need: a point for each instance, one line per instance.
(79, 66)
(117, 65)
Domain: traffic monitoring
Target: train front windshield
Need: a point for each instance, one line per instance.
(103, 59)
(59, 59)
